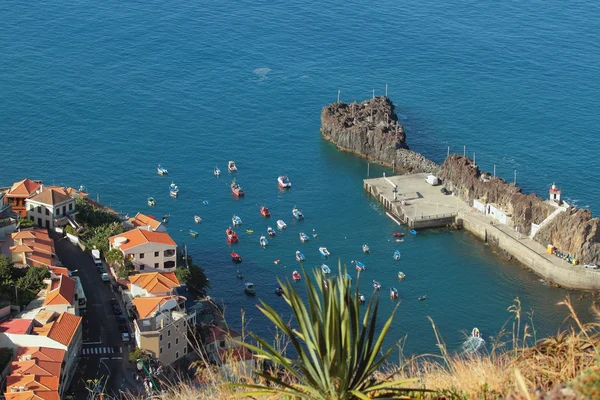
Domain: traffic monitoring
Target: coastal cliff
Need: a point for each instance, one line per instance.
(573, 231)
(371, 130)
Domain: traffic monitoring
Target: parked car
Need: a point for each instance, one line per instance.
(100, 268)
(117, 310)
(591, 266)
(125, 337)
(105, 277)
(444, 191)
(113, 302)
(96, 257)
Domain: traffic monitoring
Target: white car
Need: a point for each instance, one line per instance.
(125, 337)
(96, 257)
(591, 266)
(105, 277)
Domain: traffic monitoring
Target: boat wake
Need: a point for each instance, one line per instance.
(473, 345)
(261, 73)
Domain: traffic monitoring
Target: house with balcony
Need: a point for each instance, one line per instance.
(33, 247)
(146, 222)
(50, 208)
(64, 294)
(161, 327)
(152, 284)
(19, 192)
(147, 250)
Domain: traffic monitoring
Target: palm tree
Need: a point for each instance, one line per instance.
(338, 356)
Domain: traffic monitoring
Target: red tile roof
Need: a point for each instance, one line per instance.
(218, 333)
(35, 367)
(31, 395)
(60, 290)
(51, 196)
(137, 237)
(16, 326)
(40, 353)
(33, 382)
(145, 220)
(62, 330)
(145, 306)
(155, 282)
(36, 245)
(23, 189)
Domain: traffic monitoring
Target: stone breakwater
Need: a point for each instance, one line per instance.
(371, 130)
(573, 231)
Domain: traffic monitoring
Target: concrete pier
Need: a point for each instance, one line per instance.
(417, 204)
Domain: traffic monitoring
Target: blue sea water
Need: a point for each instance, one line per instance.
(98, 93)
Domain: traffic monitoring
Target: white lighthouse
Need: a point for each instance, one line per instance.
(555, 194)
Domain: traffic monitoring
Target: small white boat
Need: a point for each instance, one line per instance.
(304, 237)
(401, 275)
(284, 182)
(151, 201)
(249, 288)
(397, 255)
(263, 241)
(297, 213)
(231, 166)
(162, 170)
(393, 293)
(299, 256)
(173, 190)
(325, 269)
(236, 220)
(376, 285)
(197, 219)
(361, 298)
(365, 248)
(281, 224)
(324, 252)
(217, 171)
(270, 231)
(475, 333)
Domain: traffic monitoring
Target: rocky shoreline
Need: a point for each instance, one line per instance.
(370, 129)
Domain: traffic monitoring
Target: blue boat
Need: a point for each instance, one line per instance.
(413, 232)
(299, 256)
(173, 190)
(397, 255)
(304, 237)
(349, 277)
(297, 213)
(236, 220)
(325, 269)
(161, 170)
(193, 233)
(359, 266)
(324, 252)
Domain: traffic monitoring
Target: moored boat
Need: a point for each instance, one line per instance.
(324, 252)
(231, 166)
(263, 241)
(361, 298)
(281, 224)
(162, 170)
(239, 275)
(422, 298)
(249, 231)
(393, 293)
(232, 237)
(325, 269)
(299, 256)
(193, 233)
(304, 237)
(475, 333)
(249, 288)
(401, 275)
(173, 190)
(236, 189)
(264, 211)
(284, 182)
(397, 255)
(165, 218)
(376, 285)
(235, 257)
(236, 220)
(359, 266)
(279, 291)
(413, 232)
(151, 201)
(398, 234)
(296, 276)
(270, 231)
(297, 213)
(365, 248)
(217, 171)
(197, 219)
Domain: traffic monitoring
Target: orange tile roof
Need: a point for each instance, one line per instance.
(37, 246)
(155, 282)
(31, 395)
(35, 367)
(23, 189)
(51, 196)
(41, 353)
(16, 325)
(145, 220)
(59, 271)
(33, 382)
(145, 306)
(60, 290)
(62, 330)
(137, 237)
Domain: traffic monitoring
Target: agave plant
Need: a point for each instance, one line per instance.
(337, 352)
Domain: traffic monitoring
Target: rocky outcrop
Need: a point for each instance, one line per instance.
(371, 130)
(573, 231)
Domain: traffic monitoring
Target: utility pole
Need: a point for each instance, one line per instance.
(373, 94)
(474, 163)
(386, 90)
(339, 95)
(448, 154)
(464, 150)
(515, 177)
(494, 170)
(368, 168)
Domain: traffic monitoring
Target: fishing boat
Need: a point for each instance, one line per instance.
(325, 269)
(399, 240)
(173, 190)
(376, 285)
(296, 276)
(205, 202)
(393, 293)
(197, 219)
(151, 201)
(217, 171)
(249, 231)
(193, 233)
(264, 211)
(297, 213)
(475, 333)
(299, 256)
(249, 288)
(236, 220)
(473, 342)
(398, 234)
(324, 252)
(359, 266)
(263, 241)
(239, 275)
(401, 275)
(231, 166)
(162, 170)
(397, 255)
(304, 237)
(270, 231)
(232, 237)
(281, 224)
(365, 248)
(279, 291)
(422, 298)
(276, 262)
(413, 232)
(235, 257)
(236, 189)
(361, 298)
(284, 182)
(165, 218)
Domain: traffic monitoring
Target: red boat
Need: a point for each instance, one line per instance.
(264, 211)
(296, 276)
(236, 257)
(232, 237)
(236, 189)
(398, 234)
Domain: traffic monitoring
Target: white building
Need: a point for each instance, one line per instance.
(51, 207)
(148, 250)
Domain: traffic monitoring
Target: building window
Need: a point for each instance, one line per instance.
(160, 337)
(169, 332)
(64, 209)
(70, 206)
(155, 265)
(156, 253)
(141, 255)
(39, 209)
(160, 351)
(142, 267)
(169, 346)
(185, 350)
(176, 355)
(176, 340)
(31, 218)
(39, 221)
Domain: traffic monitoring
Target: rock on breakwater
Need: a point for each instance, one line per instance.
(371, 130)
